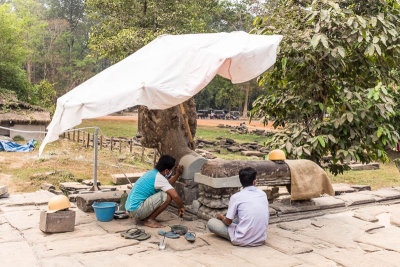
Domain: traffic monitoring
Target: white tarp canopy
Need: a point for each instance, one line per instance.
(166, 72)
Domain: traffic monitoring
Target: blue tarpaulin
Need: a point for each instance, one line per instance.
(9, 146)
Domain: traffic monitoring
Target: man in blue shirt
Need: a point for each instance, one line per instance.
(152, 193)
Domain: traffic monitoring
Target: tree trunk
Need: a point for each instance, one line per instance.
(28, 68)
(165, 130)
(246, 100)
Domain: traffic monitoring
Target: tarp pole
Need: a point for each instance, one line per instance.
(95, 146)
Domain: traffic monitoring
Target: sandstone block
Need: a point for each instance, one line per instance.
(253, 153)
(342, 188)
(120, 179)
(364, 167)
(328, 202)
(356, 199)
(57, 222)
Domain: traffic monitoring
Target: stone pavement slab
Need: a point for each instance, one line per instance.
(342, 188)
(95, 243)
(8, 234)
(356, 198)
(17, 254)
(386, 238)
(117, 226)
(287, 245)
(34, 235)
(40, 197)
(328, 202)
(23, 220)
(383, 194)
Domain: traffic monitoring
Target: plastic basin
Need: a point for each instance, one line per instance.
(104, 210)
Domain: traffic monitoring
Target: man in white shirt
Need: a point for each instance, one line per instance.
(152, 193)
(246, 221)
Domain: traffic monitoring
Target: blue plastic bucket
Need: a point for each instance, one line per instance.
(104, 210)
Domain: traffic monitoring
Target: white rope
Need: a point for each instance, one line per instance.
(71, 130)
(24, 131)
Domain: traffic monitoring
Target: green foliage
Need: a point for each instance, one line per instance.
(44, 95)
(12, 53)
(124, 26)
(334, 86)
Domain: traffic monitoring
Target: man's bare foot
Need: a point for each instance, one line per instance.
(153, 223)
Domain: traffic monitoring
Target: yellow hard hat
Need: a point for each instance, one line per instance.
(59, 202)
(277, 154)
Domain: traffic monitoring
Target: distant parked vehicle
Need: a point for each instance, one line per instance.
(217, 114)
(202, 114)
(234, 115)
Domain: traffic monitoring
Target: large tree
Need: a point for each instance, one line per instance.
(334, 86)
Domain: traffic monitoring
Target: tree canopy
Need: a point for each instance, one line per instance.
(335, 84)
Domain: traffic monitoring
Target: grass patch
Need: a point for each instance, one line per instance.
(386, 176)
(112, 127)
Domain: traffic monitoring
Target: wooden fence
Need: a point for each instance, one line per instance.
(112, 143)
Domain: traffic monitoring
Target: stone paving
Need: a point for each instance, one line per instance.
(350, 235)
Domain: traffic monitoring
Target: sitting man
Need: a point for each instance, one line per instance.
(246, 221)
(152, 193)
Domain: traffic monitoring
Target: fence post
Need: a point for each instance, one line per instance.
(142, 153)
(111, 143)
(63, 134)
(88, 140)
(120, 144)
(101, 141)
(78, 136)
(68, 136)
(130, 145)
(73, 136)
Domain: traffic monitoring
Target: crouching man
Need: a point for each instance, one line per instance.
(246, 221)
(152, 193)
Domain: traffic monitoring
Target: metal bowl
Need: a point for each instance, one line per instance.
(179, 229)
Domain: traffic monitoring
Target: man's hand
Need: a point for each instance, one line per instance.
(179, 170)
(225, 220)
(181, 212)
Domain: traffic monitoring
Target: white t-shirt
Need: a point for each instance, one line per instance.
(162, 183)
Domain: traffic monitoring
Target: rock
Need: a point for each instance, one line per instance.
(120, 179)
(73, 186)
(42, 175)
(287, 206)
(6, 195)
(361, 187)
(47, 186)
(295, 226)
(230, 141)
(253, 153)
(364, 167)
(210, 156)
(342, 188)
(3, 190)
(195, 206)
(356, 199)
(233, 149)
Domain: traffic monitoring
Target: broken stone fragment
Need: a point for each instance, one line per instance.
(47, 186)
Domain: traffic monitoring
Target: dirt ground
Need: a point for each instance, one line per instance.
(255, 124)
